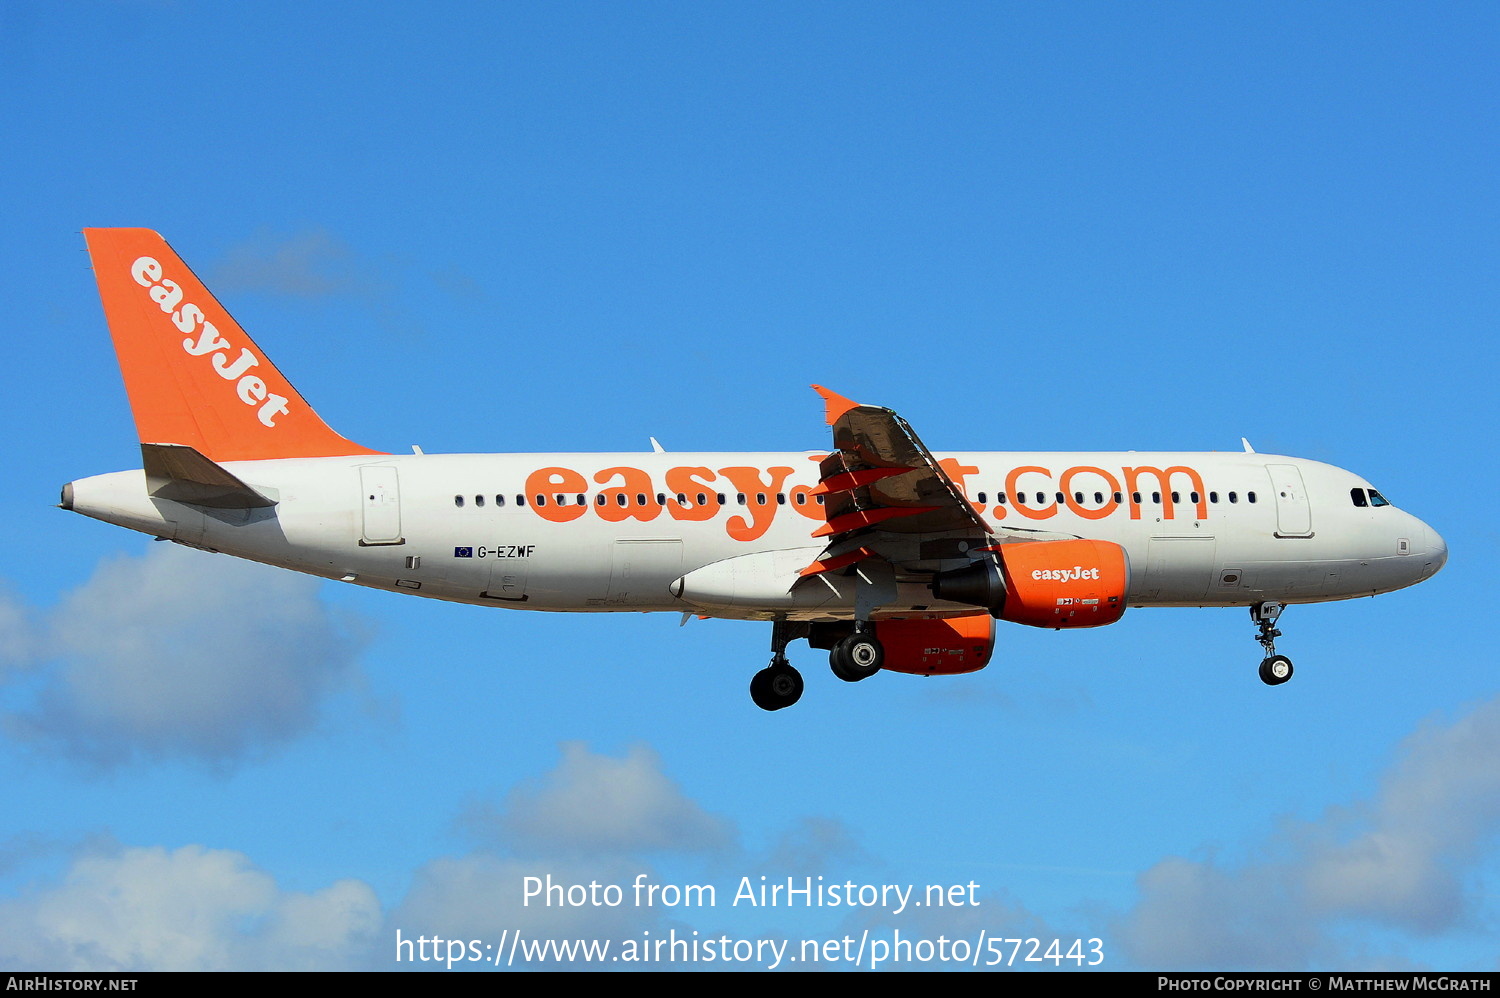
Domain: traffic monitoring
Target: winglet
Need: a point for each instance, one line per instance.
(834, 404)
(194, 377)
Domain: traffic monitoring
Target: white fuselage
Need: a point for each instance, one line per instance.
(1205, 529)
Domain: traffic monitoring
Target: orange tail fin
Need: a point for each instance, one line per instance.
(193, 376)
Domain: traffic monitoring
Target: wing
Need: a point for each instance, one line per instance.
(886, 496)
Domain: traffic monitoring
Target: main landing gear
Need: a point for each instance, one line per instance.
(1274, 669)
(855, 656)
(778, 685)
(859, 656)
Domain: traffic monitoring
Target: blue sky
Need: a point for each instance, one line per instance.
(552, 227)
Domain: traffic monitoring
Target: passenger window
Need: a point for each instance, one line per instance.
(1135, 497)
(739, 497)
(599, 499)
(1213, 497)
(583, 500)
(1234, 497)
(1099, 498)
(1078, 497)
(801, 498)
(620, 499)
(982, 499)
(1000, 498)
(458, 501)
(1177, 497)
(702, 499)
(820, 500)
(681, 499)
(499, 500)
(781, 498)
(640, 498)
(1119, 498)
(1193, 496)
(661, 499)
(561, 499)
(541, 500)
(721, 498)
(760, 498)
(479, 500)
(1156, 497)
(1358, 496)
(1040, 499)
(1250, 496)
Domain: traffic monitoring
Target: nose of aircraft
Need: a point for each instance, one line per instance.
(1437, 553)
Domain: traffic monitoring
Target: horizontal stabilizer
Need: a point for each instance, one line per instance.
(182, 474)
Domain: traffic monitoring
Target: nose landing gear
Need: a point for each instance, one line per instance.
(1274, 669)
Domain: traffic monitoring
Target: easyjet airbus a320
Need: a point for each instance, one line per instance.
(886, 555)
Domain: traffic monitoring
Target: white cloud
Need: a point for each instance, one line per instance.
(307, 265)
(598, 805)
(316, 264)
(1403, 861)
(1196, 914)
(180, 653)
(482, 897)
(18, 634)
(814, 845)
(585, 822)
(188, 909)
(204, 909)
(1438, 807)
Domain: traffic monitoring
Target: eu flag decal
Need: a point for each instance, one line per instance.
(463, 552)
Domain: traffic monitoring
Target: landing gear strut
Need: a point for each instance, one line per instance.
(778, 685)
(1274, 669)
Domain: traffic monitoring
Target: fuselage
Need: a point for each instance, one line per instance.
(611, 532)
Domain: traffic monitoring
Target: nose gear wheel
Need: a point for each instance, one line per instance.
(1274, 669)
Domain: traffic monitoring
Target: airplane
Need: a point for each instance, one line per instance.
(876, 550)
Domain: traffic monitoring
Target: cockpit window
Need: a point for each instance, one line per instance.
(1376, 499)
(1358, 495)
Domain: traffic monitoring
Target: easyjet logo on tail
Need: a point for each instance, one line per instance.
(209, 342)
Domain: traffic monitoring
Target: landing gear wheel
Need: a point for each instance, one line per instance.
(1275, 670)
(859, 656)
(776, 687)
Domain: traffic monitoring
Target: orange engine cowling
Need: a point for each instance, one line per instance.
(940, 647)
(1080, 583)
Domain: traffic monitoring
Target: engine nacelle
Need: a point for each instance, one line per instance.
(1080, 583)
(945, 646)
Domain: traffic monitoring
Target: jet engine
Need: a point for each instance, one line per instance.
(1079, 583)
